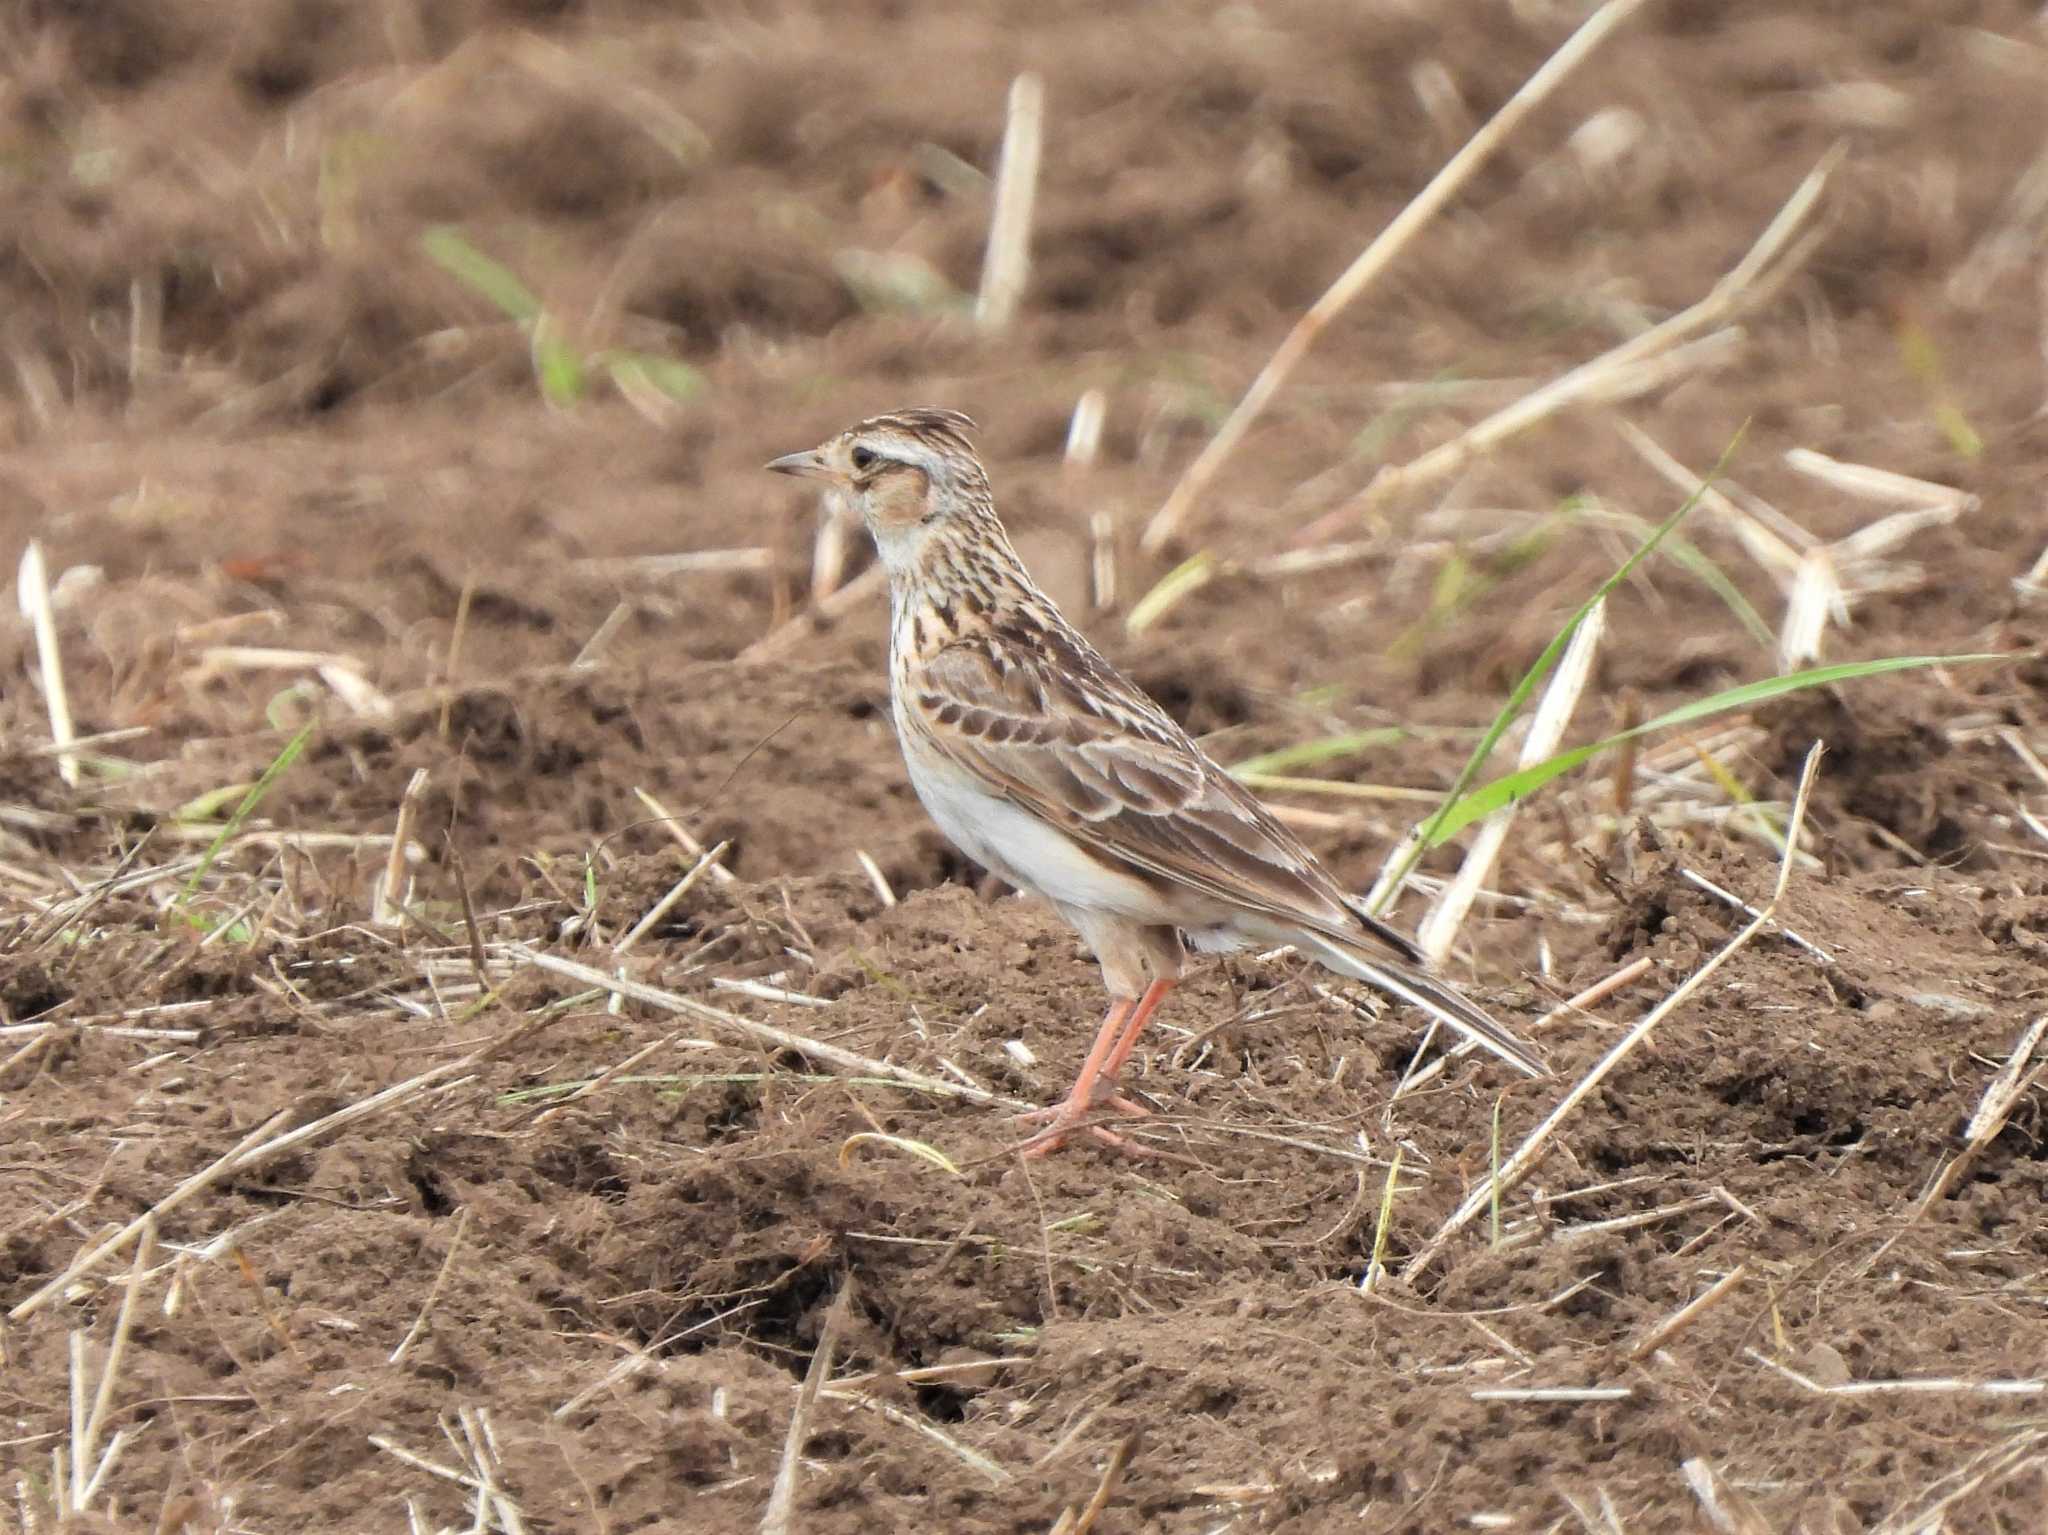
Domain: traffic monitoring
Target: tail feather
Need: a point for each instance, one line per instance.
(1441, 1000)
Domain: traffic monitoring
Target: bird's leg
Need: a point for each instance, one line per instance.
(1140, 1016)
(1064, 1116)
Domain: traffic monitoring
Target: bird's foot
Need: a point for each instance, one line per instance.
(1064, 1118)
(1115, 1101)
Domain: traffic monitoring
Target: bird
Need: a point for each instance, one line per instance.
(1051, 769)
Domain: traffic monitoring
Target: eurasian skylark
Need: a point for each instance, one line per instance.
(1047, 766)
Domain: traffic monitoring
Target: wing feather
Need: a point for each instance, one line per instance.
(1052, 727)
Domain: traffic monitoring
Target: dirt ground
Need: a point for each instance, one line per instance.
(292, 463)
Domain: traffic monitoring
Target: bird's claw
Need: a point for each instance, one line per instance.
(1062, 1119)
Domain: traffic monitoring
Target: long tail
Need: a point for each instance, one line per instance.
(1411, 983)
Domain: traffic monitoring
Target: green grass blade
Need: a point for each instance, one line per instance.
(643, 370)
(1436, 830)
(1459, 814)
(446, 246)
(557, 365)
(1189, 576)
(204, 807)
(279, 766)
(1377, 1264)
(1696, 563)
(1716, 580)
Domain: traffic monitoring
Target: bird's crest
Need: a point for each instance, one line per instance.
(946, 428)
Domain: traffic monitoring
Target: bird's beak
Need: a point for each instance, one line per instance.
(811, 462)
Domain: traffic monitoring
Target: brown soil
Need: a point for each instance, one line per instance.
(235, 383)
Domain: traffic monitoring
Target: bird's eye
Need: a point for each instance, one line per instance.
(863, 458)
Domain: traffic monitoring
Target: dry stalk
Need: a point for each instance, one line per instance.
(604, 1078)
(747, 1029)
(217, 659)
(1816, 597)
(689, 844)
(1598, 992)
(1113, 1473)
(1439, 929)
(419, 1323)
(1084, 431)
(400, 1453)
(1375, 259)
(1885, 485)
(453, 660)
(966, 1368)
(482, 1441)
(198, 1183)
(876, 877)
(1751, 281)
(780, 641)
(1724, 1513)
(656, 567)
(387, 906)
(676, 892)
(833, 544)
(780, 1516)
(2023, 1452)
(1919, 1385)
(1676, 1323)
(641, 1360)
(89, 1467)
(1102, 561)
(1525, 1157)
(2035, 582)
(593, 648)
(1552, 1393)
(32, 588)
(1769, 548)
(1007, 265)
(2002, 1094)
(1637, 1219)
(971, 1458)
(1701, 882)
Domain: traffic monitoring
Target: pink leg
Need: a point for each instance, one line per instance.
(1140, 1016)
(1081, 1099)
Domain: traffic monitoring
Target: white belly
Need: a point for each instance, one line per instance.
(1015, 845)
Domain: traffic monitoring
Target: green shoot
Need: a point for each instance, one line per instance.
(1461, 812)
(481, 274)
(1190, 575)
(1435, 831)
(1922, 357)
(558, 367)
(208, 806)
(1738, 794)
(1377, 1265)
(279, 766)
(1461, 583)
(1701, 567)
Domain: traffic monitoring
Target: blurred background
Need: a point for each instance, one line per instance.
(314, 306)
(405, 368)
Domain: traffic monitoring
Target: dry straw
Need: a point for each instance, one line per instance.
(1008, 263)
(1374, 260)
(33, 590)
(1526, 1156)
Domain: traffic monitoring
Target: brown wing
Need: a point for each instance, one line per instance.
(1048, 723)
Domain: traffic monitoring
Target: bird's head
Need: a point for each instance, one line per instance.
(910, 474)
